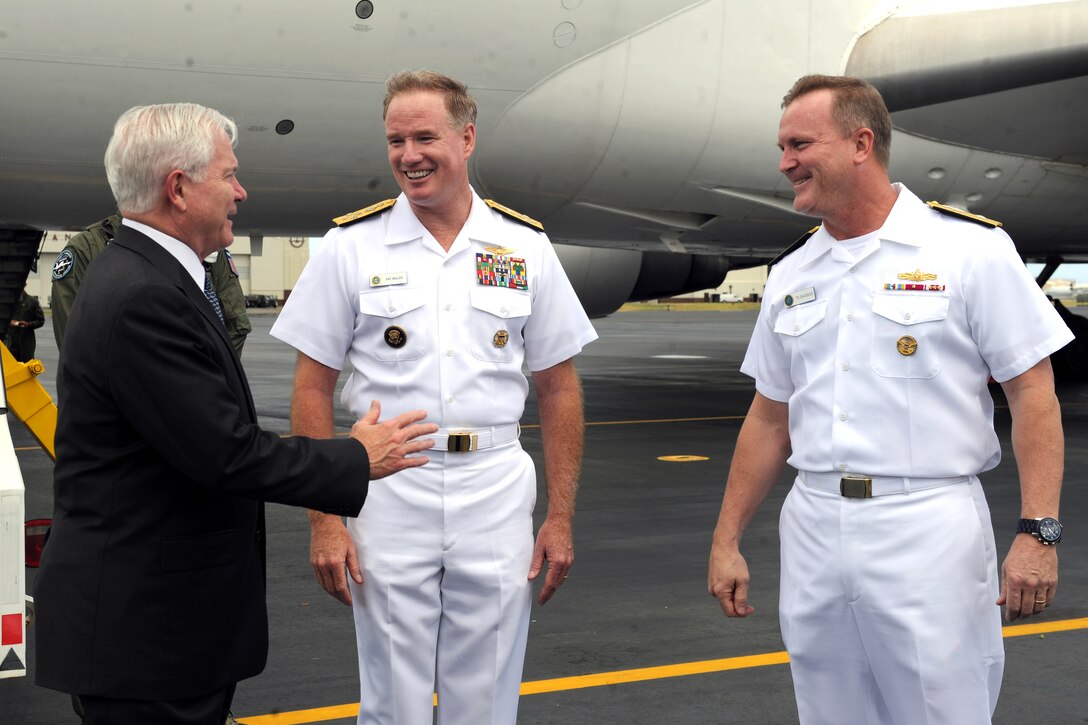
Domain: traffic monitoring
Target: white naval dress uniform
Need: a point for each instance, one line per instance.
(445, 548)
(887, 603)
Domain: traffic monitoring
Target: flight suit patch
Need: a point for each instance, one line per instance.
(63, 264)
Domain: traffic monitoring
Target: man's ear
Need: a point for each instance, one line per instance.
(176, 190)
(864, 138)
(468, 133)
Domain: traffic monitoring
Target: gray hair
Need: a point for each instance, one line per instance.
(149, 142)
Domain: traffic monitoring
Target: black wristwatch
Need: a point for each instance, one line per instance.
(1047, 530)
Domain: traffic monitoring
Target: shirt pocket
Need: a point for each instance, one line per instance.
(498, 317)
(803, 338)
(392, 324)
(907, 335)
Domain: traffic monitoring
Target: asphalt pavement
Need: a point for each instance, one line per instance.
(633, 636)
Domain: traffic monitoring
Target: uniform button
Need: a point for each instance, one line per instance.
(504, 309)
(845, 367)
(842, 466)
(796, 328)
(849, 318)
(449, 353)
(448, 307)
(843, 416)
(449, 399)
(906, 315)
(392, 308)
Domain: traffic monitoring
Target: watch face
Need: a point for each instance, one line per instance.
(1050, 529)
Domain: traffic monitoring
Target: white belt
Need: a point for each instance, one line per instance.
(852, 485)
(466, 440)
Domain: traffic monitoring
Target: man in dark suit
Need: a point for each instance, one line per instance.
(150, 598)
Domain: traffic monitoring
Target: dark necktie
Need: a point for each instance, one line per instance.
(209, 292)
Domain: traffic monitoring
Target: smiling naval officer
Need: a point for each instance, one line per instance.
(440, 296)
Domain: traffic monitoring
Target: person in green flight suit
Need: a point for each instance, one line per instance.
(71, 264)
(27, 317)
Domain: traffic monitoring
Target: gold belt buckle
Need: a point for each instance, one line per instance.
(856, 487)
(463, 442)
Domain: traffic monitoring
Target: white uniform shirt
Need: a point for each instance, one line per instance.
(465, 341)
(857, 404)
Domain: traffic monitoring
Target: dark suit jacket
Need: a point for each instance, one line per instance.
(152, 581)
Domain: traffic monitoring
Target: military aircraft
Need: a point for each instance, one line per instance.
(641, 134)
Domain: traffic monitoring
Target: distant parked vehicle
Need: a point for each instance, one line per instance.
(261, 301)
(730, 297)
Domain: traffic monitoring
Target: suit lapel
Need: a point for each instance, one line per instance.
(176, 275)
(171, 268)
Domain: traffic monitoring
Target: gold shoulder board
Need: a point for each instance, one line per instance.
(793, 247)
(343, 221)
(505, 211)
(960, 213)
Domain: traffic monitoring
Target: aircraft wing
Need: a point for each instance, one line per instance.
(1010, 81)
(641, 132)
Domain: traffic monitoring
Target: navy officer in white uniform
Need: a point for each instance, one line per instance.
(439, 296)
(871, 357)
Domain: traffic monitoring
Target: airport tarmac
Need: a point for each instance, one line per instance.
(633, 637)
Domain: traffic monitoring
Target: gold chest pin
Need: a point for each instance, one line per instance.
(917, 276)
(906, 345)
(395, 336)
(501, 338)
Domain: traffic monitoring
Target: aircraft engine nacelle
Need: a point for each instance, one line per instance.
(665, 274)
(606, 278)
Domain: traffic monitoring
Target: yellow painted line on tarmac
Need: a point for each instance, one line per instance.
(622, 677)
(643, 674)
(1061, 625)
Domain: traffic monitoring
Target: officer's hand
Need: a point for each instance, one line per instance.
(1029, 578)
(331, 553)
(388, 444)
(727, 581)
(554, 542)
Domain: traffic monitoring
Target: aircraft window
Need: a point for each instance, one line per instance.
(364, 9)
(285, 127)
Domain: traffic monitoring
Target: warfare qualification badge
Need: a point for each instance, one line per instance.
(395, 336)
(501, 338)
(917, 276)
(906, 345)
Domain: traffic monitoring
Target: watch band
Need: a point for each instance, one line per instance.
(1047, 530)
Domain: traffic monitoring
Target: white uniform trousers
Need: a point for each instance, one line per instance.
(887, 606)
(445, 551)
